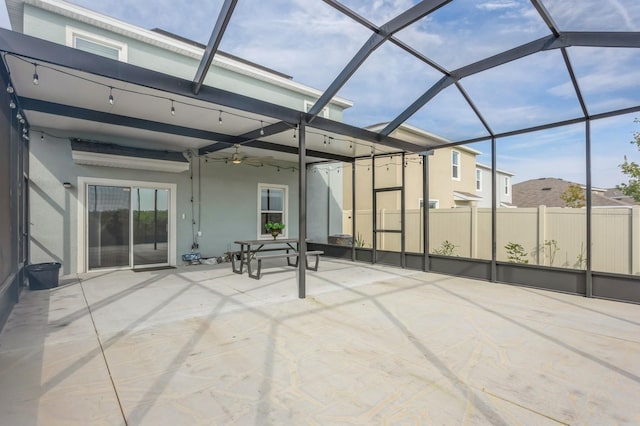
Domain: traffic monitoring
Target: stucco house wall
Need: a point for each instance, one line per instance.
(228, 199)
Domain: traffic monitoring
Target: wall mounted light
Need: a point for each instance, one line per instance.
(67, 185)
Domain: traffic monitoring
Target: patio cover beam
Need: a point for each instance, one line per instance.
(269, 130)
(29, 104)
(225, 141)
(214, 41)
(398, 23)
(53, 53)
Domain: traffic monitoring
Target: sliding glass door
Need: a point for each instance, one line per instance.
(108, 226)
(150, 214)
(127, 226)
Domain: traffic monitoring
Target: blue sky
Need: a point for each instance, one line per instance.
(312, 42)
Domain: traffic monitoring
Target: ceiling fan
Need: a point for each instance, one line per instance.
(238, 158)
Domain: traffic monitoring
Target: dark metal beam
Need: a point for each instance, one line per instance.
(442, 84)
(44, 51)
(225, 141)
(546, 17)
(602, 115)
(574, 81)
(455, 76)
(365, 135)
(371, 26)
(270, 146)
(29, 104)
(600, 38)
(302, 212)
(269, 130)
(505, 57)
(566, 39)
(589, 206)
(353, 15)
(214, 41)
(387, 30)
(358, 59)
(474, 108)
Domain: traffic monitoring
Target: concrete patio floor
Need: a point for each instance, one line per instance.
(369, 345)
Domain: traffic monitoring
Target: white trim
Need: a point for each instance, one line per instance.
(308, 104)
(285, 216)
(73, 33)
(431, 200)
(459, 168)
(125, 162)
(459, 196)
(506, 185)
(83, 183)
(504, 172)
(155, 39)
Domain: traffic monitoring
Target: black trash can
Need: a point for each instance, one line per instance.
(43, 276)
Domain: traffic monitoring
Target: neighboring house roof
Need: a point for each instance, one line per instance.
(548, 192)
(616, 194)
(15, 9)
(504, 172)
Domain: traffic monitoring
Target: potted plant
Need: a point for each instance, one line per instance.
(274, 228)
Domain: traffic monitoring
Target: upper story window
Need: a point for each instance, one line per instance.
(92, 43)
(478, 180)
(507, 185)
(455, 165)
(272, 207)
(323, 113)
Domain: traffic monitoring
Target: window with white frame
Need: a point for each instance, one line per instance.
(99, 45)
(272, 207)
(478, 180)
(433, 204)
(507, 185)
(455, 165)
(323, 113)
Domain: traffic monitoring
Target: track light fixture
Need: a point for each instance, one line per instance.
(111, 100)
(12, 104)
(36, 79)
(173, 109)
(25, 137)
(220, 118)
(261, 128)
(294, 131)
(10, 88)
(19, 115)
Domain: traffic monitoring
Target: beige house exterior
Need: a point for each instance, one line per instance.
(452, 176)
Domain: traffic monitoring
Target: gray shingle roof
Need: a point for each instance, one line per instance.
(548, 191)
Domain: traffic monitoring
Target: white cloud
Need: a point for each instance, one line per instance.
(497, 5)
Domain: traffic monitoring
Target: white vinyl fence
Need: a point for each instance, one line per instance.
(551, 236)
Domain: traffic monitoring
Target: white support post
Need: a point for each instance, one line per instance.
(635, 240)
(542, 225)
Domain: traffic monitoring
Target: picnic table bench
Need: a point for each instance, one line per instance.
(253, 249)
(288, 256)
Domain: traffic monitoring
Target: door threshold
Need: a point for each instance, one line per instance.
(153, 268)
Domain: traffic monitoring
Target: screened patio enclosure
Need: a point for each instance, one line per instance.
(542, 78)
